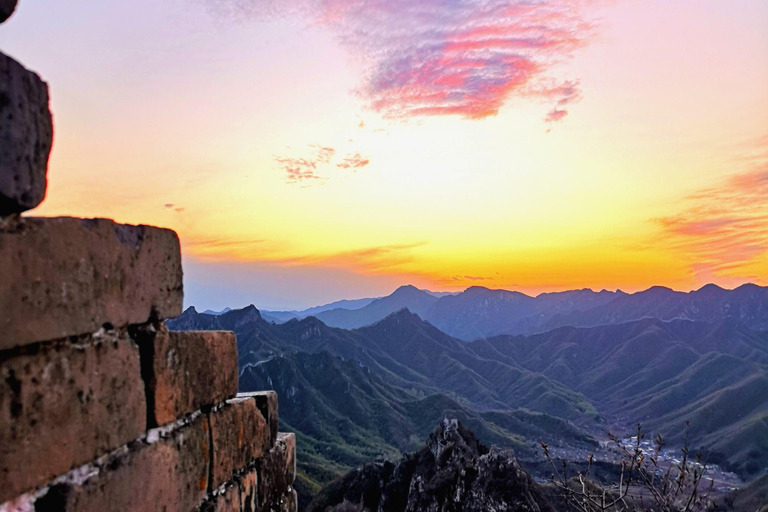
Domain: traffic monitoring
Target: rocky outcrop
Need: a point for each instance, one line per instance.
(26, 135)
(6, 9)
(453, 472)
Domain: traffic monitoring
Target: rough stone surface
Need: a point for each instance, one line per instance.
(227, 500)
(240, 434)
(288, 440)
(185, 371)
(168, 474)
(26, 133)
(289, 502)
(266, 401)
(277, 471)
(65, 404)
(249, 491)
(6, 9)
(63, 276)
(453, 472)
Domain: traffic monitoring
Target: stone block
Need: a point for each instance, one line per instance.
(62, 276)
(185, 371)
(170, 472)
(226, 499)
(65, 404)
(26, 133)
(266, 402)
(289, 441)
(277, 471)
(239, 435)
(249, 491)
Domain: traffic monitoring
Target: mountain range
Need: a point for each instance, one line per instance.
(480, 312)
(355, 394)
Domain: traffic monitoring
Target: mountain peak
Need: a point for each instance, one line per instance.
(710, 288)
(659, 289)
(407, 289)
(236, 317)
(477, 289)
(402, 318)
(401, 315)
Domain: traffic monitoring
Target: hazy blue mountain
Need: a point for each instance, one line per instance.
(284, 316)
(216, 313)
(410, 297)
(481, 312)
(747, 303)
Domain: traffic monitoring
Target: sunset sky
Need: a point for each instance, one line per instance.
(312, 150)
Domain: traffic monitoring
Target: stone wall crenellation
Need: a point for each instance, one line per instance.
(101, 407)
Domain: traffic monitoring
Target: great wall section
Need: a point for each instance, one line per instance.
(101, 407)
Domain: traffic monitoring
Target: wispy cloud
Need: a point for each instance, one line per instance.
(175, 208)
(724, 228)
(320, 159)
(354, 162)
(450, 57)
(471, 278)
(373, 260)
(223, 247)
(299, 169)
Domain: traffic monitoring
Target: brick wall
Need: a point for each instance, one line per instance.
(101, 408)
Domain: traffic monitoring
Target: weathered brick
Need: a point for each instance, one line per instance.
(277, 471)
(26, 133)
(249, 491)
(266, 401)
(185, 371)
(240, 434)
(289, 441)
(62, 276)
(64, 404)
(169, 473)
(226, 500)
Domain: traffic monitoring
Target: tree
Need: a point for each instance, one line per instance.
(643, 482)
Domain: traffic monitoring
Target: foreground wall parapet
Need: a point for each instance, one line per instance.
(101, 407)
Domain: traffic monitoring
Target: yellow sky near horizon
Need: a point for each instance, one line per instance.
(184, 118)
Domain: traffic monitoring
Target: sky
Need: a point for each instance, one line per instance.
(312, 150)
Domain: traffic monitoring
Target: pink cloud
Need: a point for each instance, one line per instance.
(724, 228)
(354, 162)
(321, 159)
(452, 57)
(299, 169)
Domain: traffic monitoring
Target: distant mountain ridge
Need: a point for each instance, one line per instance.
(480, 312)
(344, 304)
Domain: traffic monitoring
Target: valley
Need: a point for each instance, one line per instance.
(374, 391)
